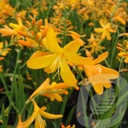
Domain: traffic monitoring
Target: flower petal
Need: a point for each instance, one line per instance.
(52, 41)
(39, 54)
(100, 58)
(101, 23)
(109, 73)
(28, 122)
(7, 31)
(126, 59)
(93, 70)
(25, 43)
(72, 47)
(79, 60)
(39, 122)
(107, 85)
(98, 88)
(66, 74)
(108, 35)
(41, 62)
(50, 116)
(98, 30)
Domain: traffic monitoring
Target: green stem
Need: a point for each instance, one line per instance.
(8, 95)
(114, 48)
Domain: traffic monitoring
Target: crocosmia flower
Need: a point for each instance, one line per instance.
(57, 57)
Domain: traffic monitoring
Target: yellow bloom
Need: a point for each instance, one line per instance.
(100, 75)
(6, 31)
(105, 30)
(6, 9)
(18, 26)
(57, 58)
(52, 91)
(121, 20)
(37, 116)
(125, 55)
(94, 44)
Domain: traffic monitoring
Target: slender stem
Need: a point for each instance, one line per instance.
(7, 92)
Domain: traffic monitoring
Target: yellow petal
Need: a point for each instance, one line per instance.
(35, 114)
(79, 60)
(50, 116)
(98, 30)
(109, 73)
(92, 70)
(41, 62)
(107, 85)
(101, 23)
(7, 31)
(39, 122)
(14, 26)
(1, 45)
(39, 54)
(117, 18)
(20, 123)
(20, 21)
(126, 59)
(108, 35)
(52, 41)
(56, 96)
(98, 88)
(108, 25)
(60, 86)
(100, 58)
(25, 43)
(64, 71)
(103, 35)
(72, 47)
(112, 30)
(28, 122)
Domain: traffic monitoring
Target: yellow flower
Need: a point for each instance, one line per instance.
(6, 9)
(125, 55)
(6, 31)
(18, 26)
(37, 116)
(52, 91)
(121, 20)
(57, 58)
(105, 30)
(94, 44)
(100, 75)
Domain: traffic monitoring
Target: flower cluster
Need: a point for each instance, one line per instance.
(68, 43)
